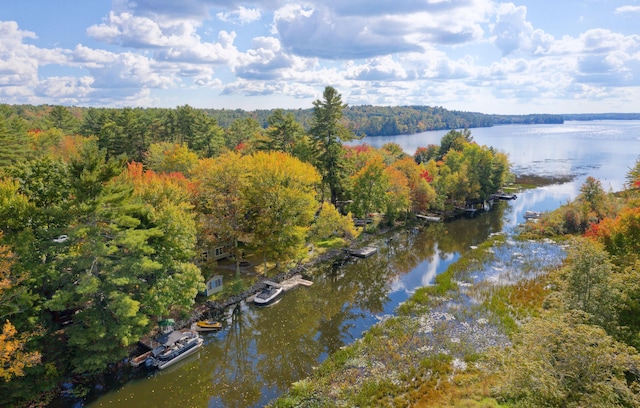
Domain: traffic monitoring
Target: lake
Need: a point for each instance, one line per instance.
(261, 351)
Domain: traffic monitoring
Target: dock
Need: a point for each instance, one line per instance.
(287, 284)
(430, 218)
(363, 252)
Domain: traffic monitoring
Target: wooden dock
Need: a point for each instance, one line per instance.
(430, 218)
(363, 252)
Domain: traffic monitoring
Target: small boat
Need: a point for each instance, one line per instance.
(267, 295)
(139, 360)
(177, 346)
(504, 196)
(208, 325)
(532, 215)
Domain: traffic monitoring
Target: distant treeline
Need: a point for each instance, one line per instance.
(394, 120)
(372, 120)
(602, 116)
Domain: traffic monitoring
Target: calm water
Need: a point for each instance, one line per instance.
(263, 350)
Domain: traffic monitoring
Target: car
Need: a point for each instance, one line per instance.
(61, 239)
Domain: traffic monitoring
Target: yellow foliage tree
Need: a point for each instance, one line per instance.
(14, 357)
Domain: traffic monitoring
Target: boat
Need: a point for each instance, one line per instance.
(208, 325)
(176, 346)
(137, 361)
(532, 215)
(504, 196)
(268, 295)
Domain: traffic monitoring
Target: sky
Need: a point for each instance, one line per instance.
(526, 56)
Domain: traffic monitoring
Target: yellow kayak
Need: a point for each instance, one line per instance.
(208, 325)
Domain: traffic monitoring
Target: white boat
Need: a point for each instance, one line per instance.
(267, 295)
(177, 346)
(532, 214)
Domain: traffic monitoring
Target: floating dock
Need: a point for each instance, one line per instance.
(363, 252)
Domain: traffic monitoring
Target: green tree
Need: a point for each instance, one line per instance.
(45, 181)
(13, 143)
(125, 132)
(126, 261)
(594, 198)
(195, 129)
(243, 133)
(558, 361)
(633, 177)
(283, 133)
(59, 117)
(370, 186)
(588, 275)
(328, 133)
(454, 139)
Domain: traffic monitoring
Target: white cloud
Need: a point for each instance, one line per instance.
(336, 31)
(240, 16)
(513, 32)
(628, 9)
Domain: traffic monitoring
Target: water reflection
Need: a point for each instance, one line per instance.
(263, 350)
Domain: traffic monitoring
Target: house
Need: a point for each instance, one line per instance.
(219, 252)
(214, 285)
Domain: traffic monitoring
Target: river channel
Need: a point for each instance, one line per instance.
(261, 351)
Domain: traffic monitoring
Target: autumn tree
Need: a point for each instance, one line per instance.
(220, 202)
(424, 154)
(594, 198)
(328, 133)
(168, 157)
(281, 196)
(397, 196)
(422, 194)
(330, 222)
(14, 354)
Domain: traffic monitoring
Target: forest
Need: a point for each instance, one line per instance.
(104, 213)
(361, 120)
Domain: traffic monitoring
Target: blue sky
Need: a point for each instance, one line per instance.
(530, 56)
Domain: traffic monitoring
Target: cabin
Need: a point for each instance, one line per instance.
(214, 285)
(215, 254)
